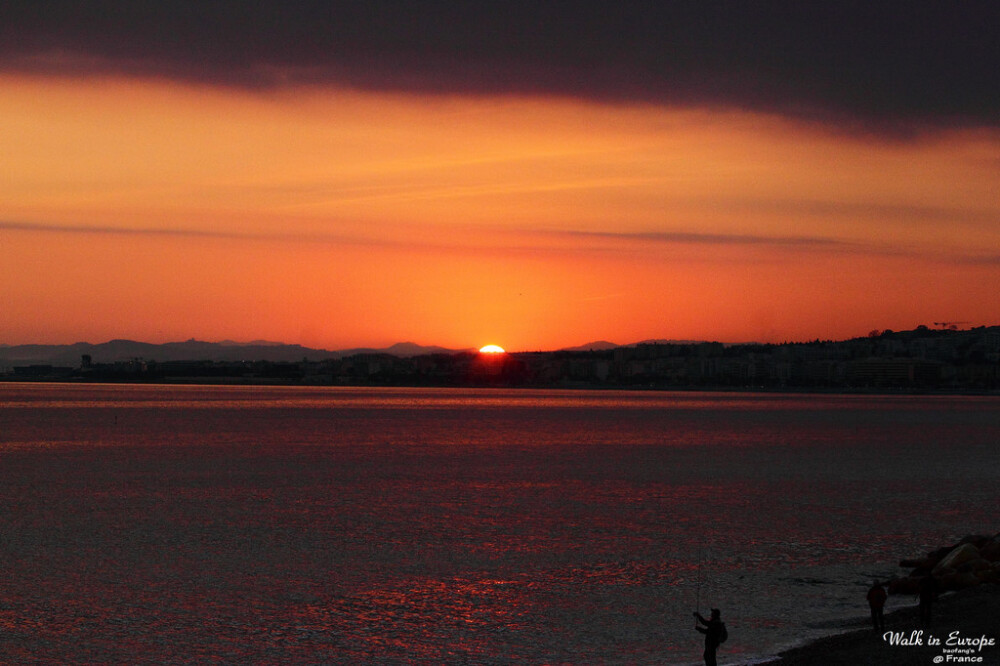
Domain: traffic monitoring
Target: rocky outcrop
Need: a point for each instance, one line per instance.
(970, 562)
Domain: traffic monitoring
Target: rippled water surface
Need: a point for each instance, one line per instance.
(262, 524)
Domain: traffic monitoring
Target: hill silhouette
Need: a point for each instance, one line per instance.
(115, 351)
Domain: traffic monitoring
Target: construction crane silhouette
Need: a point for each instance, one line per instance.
(950, 325)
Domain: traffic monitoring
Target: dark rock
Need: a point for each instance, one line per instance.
(966, 552)
(991, 551)
(977, 540)
(908, 585)
(940, 553)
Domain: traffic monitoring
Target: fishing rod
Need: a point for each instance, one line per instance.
(697, 606)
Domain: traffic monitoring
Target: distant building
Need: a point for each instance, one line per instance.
(893, 372)
(39, 371)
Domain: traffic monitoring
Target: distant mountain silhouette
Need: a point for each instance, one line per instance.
(192, 350)
(413, 349)
(604, 345)
(599, 345)
(252, 343)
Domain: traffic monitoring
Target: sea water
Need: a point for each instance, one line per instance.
(342, 525)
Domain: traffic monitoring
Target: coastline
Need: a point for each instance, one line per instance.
(973, 612)
(921, 361)
(566, 386)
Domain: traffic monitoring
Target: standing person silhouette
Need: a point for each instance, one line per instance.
(715, 633)
(876, 601)
(928, 595)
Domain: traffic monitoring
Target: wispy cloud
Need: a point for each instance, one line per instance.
(784, 244)
(470, 239)
(173, 232)
(862, 210)
(696, 238)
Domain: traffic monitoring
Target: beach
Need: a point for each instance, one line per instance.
(972, 613)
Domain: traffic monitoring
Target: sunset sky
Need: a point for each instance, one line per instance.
(534, 175)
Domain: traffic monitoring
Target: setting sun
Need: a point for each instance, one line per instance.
(491, 349)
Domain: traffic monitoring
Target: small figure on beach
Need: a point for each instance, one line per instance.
(715, 634)
(876, 601)
(928, 595)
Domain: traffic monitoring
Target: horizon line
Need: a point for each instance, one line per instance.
(939, 327)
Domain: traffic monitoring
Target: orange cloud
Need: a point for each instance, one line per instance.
(155, 211)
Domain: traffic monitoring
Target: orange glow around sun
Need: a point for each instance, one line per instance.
(338, 219)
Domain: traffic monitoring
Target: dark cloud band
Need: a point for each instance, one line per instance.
(881, 66)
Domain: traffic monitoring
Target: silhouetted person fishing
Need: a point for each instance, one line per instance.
(876, 601)
(715, 634)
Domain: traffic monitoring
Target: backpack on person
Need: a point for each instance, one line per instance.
(723, 634)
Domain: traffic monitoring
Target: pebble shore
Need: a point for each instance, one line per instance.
(966, 615)
(973, 613)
